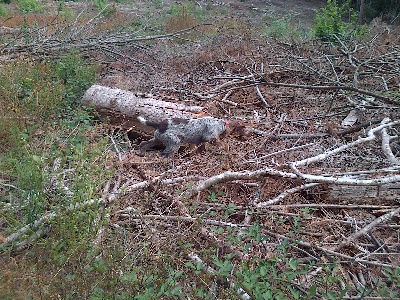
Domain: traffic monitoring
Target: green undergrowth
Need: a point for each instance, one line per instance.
(285, 28)
(337, 21)
(52, 157)
(27, 6)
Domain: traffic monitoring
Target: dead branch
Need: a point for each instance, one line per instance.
(371, 136)
(249, 83)
(147, 183)
(35, 226)
(188, 219)
(27, 228)
(333, 206)
(346, 180)
(366, 229)
(45, 42)
(244, 175)
(284, 194)
(350, 259)
(278, 152)
(386, 148)
(299, 136)
(357, 127)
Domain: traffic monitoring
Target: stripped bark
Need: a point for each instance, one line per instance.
(132, 105)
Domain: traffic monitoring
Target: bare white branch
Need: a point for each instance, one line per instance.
(386, 148)
(370, 137)
(284, 194)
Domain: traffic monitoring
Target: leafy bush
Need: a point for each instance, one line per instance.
(32, 93)
(76, 75)
(330, 21)
(3, 11)
(27, 6)
(282, 28)
(6, 1)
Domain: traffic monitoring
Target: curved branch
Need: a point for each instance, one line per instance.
(244, 175)
(386, 148)
(286, 193)
(371, 136)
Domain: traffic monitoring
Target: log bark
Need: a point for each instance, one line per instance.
(122, 107)
(360, 194)
(132, 105)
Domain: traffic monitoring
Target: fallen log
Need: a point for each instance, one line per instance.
(132, 105)
(122, 107)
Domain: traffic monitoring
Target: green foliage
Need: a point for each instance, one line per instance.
(6, 1)
(66, 12)
(335, 19)
(389, 288)
(187, 9)
(27, 6)
(31, 94)
(386, 9)
(274, 277)
(100, 4)
(3, 11)
(282, 28)
(31, 98)
(76, 75)
(158, 3)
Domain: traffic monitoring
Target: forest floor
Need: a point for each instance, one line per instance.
(256, 62)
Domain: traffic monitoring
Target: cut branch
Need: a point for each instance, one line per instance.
(366, 229)
(284, 194)
(244, 175)
(82, 39)
(371, 136)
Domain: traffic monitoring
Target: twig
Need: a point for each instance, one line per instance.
(11, 238)
(371, 136)
(11, 186)
(351, 259)
(299, 136)
(186, 219)
(50, 216)
(312, 87)
(278, 152)
(147, 183)
(286, 193)
(227, 101)
(264, 102)
(382, 219)
(116, 148)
